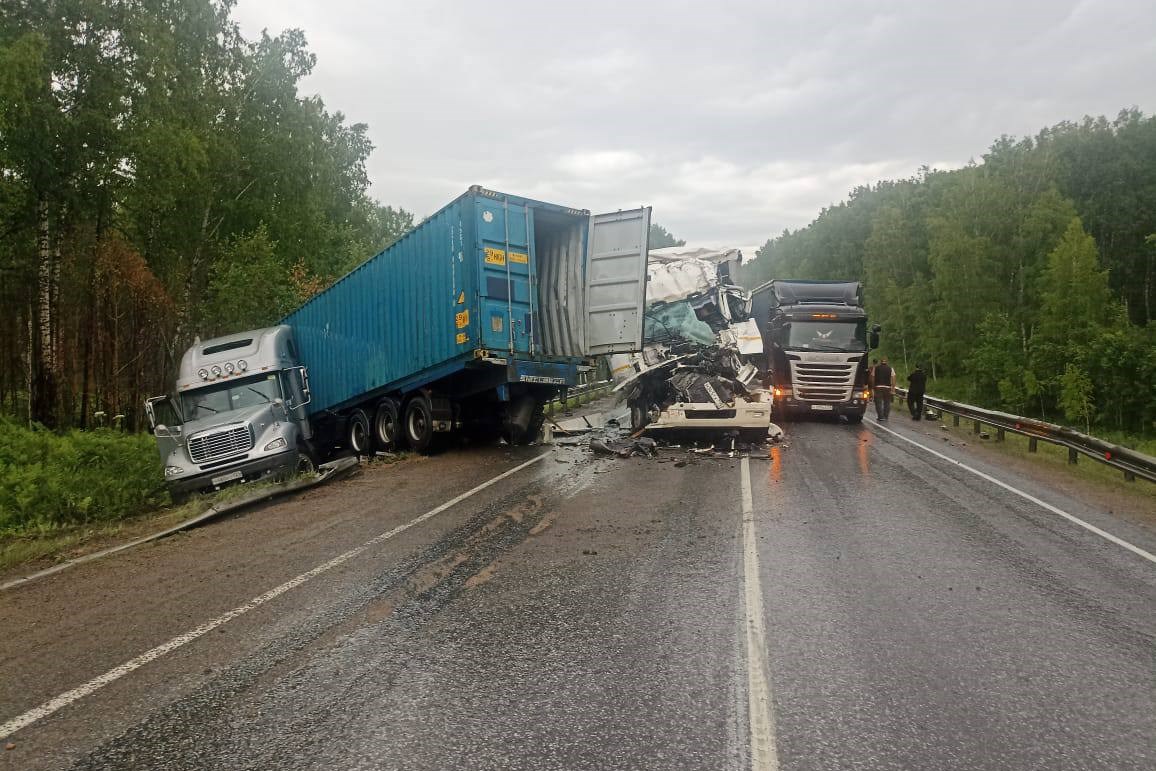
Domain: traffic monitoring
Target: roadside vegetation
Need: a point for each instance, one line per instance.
(161, 177)
(62, 491)
(50, 481)
(1026, 282)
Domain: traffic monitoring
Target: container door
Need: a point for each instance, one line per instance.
(506, 296)
(616, 252)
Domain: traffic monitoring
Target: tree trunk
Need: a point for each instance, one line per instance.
(185, 308)
(43, 397)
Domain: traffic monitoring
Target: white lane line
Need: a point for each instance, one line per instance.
(760, 708)
(1028, 496)
(68, 697)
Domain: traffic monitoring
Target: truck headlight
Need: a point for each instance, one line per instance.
(276, 444)
(173, 471)
(242, 365)
(215, 370)
(203, 373)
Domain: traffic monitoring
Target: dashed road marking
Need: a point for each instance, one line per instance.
(68, 697)
(760, 708)
(1028, 496)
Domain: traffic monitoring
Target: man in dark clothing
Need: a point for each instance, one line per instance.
(882, 387)
(917, 386)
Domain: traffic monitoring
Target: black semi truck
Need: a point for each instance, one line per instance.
(816, 343)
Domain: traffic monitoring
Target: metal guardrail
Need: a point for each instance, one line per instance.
(1132, 463)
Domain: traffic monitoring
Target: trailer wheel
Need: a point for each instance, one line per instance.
(357, 436)
(515, 434)
(419, 430)
(387, 425)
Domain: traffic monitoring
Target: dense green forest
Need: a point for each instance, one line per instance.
(1025, 282)
(160, 176)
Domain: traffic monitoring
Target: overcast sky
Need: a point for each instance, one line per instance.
(733, 120)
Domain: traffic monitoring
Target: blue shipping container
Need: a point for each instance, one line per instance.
(491, 289)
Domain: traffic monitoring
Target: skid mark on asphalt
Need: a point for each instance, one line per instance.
(340, 647)
(63, 700)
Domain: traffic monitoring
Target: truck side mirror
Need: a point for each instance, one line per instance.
(303, 373)
(873, 341)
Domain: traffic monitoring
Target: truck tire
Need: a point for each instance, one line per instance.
(515, 434)
(418, 424)
(357, 432)
(387, 433)
(638, 417)
(306, 463)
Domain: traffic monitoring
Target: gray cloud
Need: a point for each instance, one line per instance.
(734, 120)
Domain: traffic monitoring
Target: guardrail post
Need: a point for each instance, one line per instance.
(955, 420)
(976, 428)
(999, 434)
(1032, 443)
(1073, 456)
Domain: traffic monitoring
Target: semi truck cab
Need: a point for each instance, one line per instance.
(817, 341)
(238, 413)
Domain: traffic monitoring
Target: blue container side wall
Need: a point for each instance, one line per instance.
(395, 315)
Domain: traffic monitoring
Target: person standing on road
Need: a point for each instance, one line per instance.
(916, 387)
(883, 388)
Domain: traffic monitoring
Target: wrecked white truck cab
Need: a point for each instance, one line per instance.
(697, 371)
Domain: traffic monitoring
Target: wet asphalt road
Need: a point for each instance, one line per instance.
(589, 614)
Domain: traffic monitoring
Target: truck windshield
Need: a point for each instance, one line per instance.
(230, 395)
(828, 335)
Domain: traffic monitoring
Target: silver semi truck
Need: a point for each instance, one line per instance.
(469, 324)
(238, 413)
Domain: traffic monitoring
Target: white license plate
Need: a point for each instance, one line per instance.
(824, 407)
(223, 478)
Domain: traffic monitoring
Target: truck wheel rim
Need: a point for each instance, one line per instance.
(357, 436)
(417, 425)
(387, 429)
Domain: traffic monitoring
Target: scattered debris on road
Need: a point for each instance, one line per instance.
(625, 448)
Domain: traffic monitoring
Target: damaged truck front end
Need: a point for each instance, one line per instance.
(698, 372)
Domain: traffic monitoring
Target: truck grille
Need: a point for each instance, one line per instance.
(220, 443)
(830, 381)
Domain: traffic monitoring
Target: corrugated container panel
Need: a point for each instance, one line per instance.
(394, 316)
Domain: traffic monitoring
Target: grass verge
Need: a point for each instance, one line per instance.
(65, 542)
(1052, 457)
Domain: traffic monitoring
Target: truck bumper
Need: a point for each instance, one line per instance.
(248, 471)
(746, 417)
